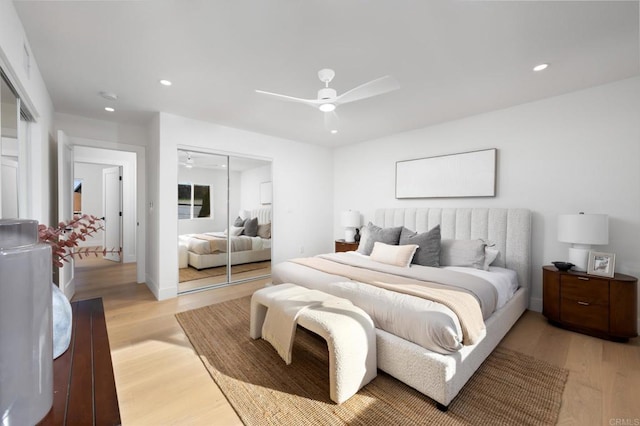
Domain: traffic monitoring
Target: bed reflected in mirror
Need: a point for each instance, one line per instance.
(224, 228)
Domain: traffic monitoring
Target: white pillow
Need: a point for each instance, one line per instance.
(490, 254)
(393, 255)
(235, 231)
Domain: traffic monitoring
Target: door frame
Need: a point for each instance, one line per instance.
(140, 192)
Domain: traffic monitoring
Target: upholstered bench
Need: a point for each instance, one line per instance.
(347, 329)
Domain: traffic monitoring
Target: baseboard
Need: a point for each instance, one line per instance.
(535, 304)
(160, 293)
(153, 287)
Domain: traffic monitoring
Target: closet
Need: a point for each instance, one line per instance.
(224, 219)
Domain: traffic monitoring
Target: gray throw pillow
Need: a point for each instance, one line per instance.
(239, 222)
(372, 233)
(251, 227)
(462, 253)
(428, 253)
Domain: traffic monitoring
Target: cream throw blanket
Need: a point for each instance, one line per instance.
(281, 320)
(219, 244)
(462, 302)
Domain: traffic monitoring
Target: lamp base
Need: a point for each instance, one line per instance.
(579, 256)
(349, 235)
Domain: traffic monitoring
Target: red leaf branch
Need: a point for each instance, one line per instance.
(64, 238)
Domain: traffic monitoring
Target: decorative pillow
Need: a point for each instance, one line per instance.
(490, 254)
(393, 255)
(235, 231)
(372, 233)
(251, 227)
(462, 253)
(428, 253)
(239, 222)
(264, 231)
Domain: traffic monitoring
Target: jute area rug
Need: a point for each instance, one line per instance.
(509, 388)
(190, 273)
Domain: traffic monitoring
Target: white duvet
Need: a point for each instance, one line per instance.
(199, 246)
(426, 323)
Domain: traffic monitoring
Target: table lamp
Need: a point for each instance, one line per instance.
(350, 220)
(582, 231)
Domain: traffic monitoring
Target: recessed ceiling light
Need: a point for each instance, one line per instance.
(109, 96)
(333, 132)
(109, 109)
(540, 67)
(165, 82)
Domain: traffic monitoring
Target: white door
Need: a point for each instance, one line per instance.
(112, 208)
(65, 207)
(9, 188)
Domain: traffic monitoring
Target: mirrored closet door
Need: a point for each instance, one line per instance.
(224, 226)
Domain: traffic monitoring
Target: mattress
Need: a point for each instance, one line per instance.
(238, 243)
(423, 322)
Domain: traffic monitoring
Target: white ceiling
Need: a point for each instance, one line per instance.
(452, 58)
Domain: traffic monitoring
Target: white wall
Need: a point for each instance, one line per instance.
(33, 92)
(92, 196)
(302, 194)
(571, 153)
(250, 184)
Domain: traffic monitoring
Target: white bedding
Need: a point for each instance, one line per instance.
(200, 246)
(426, 323)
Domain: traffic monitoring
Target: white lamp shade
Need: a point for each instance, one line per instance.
(583, 228)
(350, 219)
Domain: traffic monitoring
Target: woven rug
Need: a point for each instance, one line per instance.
(509, 388)
(190, 273)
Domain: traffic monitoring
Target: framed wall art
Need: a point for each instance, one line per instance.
(467, 174)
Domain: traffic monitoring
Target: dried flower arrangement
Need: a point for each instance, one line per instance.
(64, 238)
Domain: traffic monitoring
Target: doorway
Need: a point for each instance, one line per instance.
(94, 167)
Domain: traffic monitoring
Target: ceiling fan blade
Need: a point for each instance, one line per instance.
(331, 121)
(367, 90)
(312, 102)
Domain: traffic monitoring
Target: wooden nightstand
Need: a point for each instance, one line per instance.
(599, 306)
(342, 245)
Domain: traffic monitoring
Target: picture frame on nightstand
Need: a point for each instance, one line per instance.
(601, 264)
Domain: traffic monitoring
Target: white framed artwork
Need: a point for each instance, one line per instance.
(467, 174)
(266, 193)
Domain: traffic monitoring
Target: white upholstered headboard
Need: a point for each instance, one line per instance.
(508, 229)
(263, 214)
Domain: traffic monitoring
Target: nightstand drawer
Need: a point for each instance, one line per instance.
(594, 291)
(584, 314)
(342, 245)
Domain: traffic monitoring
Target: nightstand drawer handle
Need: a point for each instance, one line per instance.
(583, 278)
(584, 303)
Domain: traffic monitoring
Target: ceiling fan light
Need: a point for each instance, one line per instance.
(328, 107)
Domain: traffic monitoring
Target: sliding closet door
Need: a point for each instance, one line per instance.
(202, 220)
(250, 201)
(9, 152)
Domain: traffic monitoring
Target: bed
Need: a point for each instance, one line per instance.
(209, 249)
(438, 373)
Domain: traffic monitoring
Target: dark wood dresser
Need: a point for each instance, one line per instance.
(84, 389)
(589, 304)
(342, 245)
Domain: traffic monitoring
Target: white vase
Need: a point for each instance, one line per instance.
(26, 361)
(62, 317)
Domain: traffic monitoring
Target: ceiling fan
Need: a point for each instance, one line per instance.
(189, 161)
(328, 99)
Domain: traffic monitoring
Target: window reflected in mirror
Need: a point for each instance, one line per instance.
(194, 201)
(77, 196)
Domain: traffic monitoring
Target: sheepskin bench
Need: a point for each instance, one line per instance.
(347, 329)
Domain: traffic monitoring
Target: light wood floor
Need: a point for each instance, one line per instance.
(161, 381)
